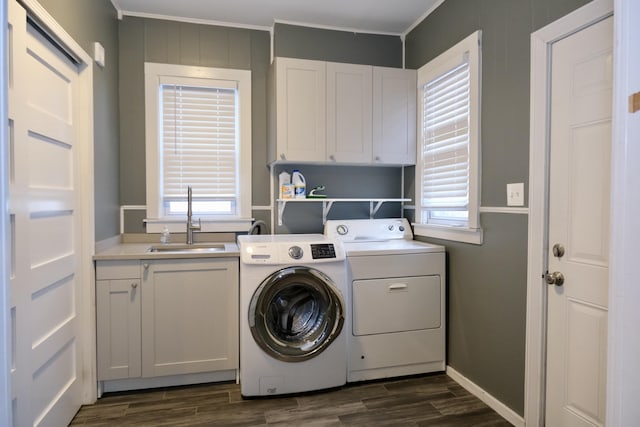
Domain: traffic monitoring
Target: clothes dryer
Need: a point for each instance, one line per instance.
(396, 316)
(292, 311)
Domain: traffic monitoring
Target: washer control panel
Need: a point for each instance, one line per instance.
(323, 251)
(296, 252)
(290, 249)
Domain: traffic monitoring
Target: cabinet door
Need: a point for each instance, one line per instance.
(394, 116)
(300, 110)
(118, 328)
(349, 113)
(189, 316)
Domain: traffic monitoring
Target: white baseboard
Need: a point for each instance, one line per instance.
(504, 411)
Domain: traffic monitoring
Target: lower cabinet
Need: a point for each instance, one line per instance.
(118, 312)
(166, 317)
(189, 316)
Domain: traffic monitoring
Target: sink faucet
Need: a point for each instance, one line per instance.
(190, 225)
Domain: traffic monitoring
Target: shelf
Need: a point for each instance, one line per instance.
(374, 205)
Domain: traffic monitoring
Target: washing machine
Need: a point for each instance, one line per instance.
(293, 300)
(396, 316)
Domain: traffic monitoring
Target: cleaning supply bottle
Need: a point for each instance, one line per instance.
(285, 187)
(299, 184)
(165, 237)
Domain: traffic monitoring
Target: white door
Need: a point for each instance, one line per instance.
(579, 181)
(45, 228)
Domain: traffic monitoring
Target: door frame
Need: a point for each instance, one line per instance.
(85, 185)
(536, 328)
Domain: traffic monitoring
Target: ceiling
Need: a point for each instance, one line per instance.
(366, 16)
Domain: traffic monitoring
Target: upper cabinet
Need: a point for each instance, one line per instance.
(341, 113)
(349, 113)
(394, 116)
(300, 110)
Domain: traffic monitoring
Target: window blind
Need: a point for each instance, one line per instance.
(198, 132)
(445, 141)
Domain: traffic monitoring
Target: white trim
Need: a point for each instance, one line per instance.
(423, 17)
(36, 10)
(124, 208)
(493, 403)
(469, 49)
(5, 251)
(464, 235)
(261, 208)
(122, 13)
(624, 294)
(208, 226)
(334, 28)
(535, 352)
(153, 73)
(504, 210)
(271, 44)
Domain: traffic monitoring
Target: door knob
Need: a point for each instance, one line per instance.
(555, 278)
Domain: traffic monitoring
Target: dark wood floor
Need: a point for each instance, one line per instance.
(430, 400)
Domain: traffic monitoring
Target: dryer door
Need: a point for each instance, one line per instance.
(296, 313)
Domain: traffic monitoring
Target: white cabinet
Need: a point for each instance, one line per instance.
(394, 116)
(118, 319)
(189, 316)
(166, 317)
(299, 116)
(341, 113)
(349, 113)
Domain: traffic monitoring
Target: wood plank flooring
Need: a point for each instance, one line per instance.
(429, 400)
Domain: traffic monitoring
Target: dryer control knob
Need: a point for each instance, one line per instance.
(296, 252)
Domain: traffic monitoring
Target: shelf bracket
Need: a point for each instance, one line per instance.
(374, 210)
(326, 207)
(281, 205)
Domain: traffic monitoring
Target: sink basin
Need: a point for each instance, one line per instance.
(196, 248)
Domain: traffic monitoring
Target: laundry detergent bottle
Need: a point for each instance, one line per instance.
(299, 184)
(285, 186)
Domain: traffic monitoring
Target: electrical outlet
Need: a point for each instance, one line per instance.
(515, 194)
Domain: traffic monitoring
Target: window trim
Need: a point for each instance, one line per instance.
(470, 47)
(156, 219)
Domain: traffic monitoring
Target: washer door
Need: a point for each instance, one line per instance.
(296, 313)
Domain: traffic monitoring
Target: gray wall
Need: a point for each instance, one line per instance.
(337, 46)
(487, 284)
(192, 44)
(150, 40)
(87, 22)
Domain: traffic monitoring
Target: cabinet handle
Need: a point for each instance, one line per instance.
(283, 157)
(398, 287)
(377, 158)
(134, 285)
(332, 158)
(146, 266)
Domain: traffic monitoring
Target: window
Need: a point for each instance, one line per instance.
(198, 135)
(448, 168)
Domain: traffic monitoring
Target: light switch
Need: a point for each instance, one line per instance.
(98, 54)
(515, 194)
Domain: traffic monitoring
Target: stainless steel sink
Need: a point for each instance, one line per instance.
(196, 248)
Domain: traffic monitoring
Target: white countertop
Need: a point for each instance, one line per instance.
(134, 251)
